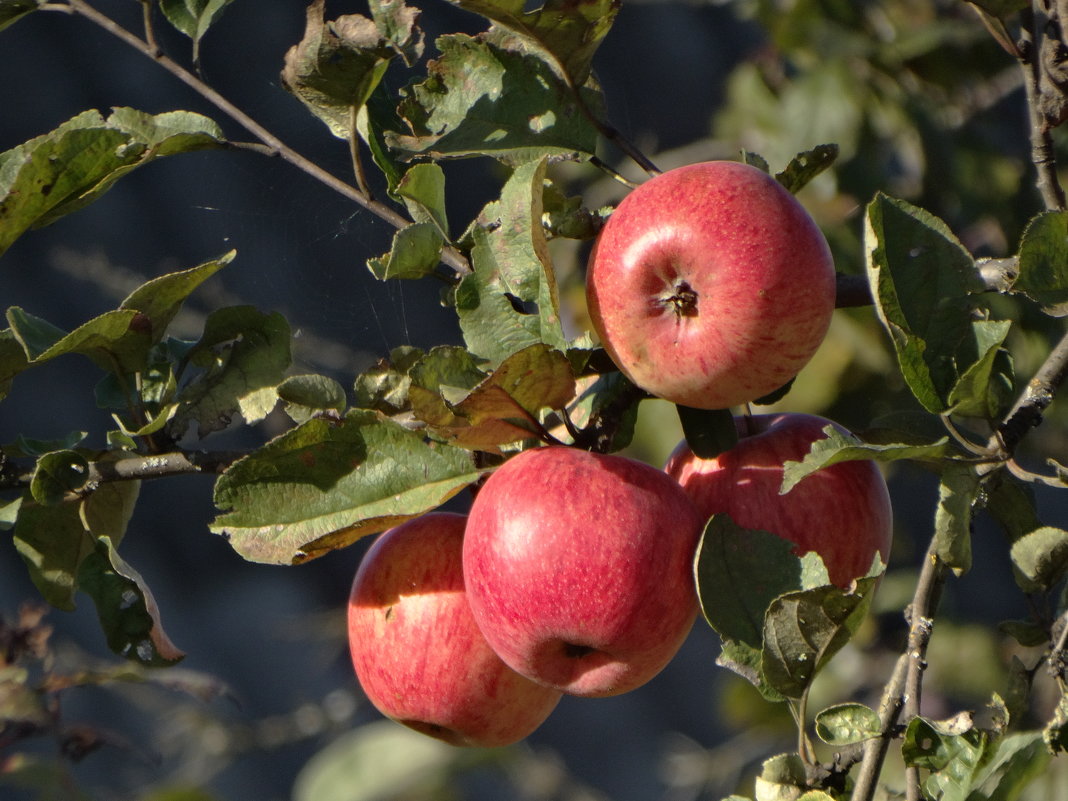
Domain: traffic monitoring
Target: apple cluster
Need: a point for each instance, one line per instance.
(573, 572)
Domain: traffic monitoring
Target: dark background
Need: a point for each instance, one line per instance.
(274, 635)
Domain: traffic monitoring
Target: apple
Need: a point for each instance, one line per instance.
(841, 512)
(416, 650)
(710, 285)
(579, 568)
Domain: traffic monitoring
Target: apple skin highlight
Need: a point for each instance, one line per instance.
(710, 285)
(579, 568)
(416, 650)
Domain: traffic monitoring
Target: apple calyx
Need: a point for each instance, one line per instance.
(683, 300)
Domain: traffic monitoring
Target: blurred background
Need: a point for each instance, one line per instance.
(924, 106)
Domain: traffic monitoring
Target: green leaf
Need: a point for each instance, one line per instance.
(708, 432)
(161, 298)
(510, 301)
(423, 191)
(193, 17)
(923, 280)
(803, 630)
(336, 66)
(846, 724)
(740, 572)
(62, 171)
(1017, 761)
(415, 253)
(1042, 556)
(384, 386)
(374, 118)
(1043, 258)
(566, 32)
(308, 395)
(57, 474)
(324, 485)
(13, 360)
(985, 389)
(14, 10)
(483, 99)
(782, 778)
(9, 513)
(117, 340)
(505, 406)
(842, 447)
(373, 762)
(805, 166)
(53, 542)
(244, 353)
(954, 751)
(127, 611)
(614, 396)
(397, 24)
(957, 491)
(107, 511)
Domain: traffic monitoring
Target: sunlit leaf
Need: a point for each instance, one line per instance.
(53, 542)
(566, 31)
(957, 492)
(193, 17)
(505, 406)
(782, 778)
(841, 447)
(397, 24)
(952, 750)
(423, 191)
(805, 166)
(57, 474)
(1042, 556)
(62, 171)
(307, 395)
(244, 354)
(336, 66)
(923, 281)
(846, 724)
(323, 485)
(1043, 275)
(415, 253)
(510, 301)
(384, 386)
(482, 99)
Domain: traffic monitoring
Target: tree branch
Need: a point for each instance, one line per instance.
(902, 691)
(450, 256)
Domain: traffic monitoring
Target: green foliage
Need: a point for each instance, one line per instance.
(884, 87)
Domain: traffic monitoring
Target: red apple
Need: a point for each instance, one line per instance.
(710, 285)
(579, 568)
(841, 512)
(417, 652)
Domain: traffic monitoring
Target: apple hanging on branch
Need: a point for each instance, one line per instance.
(842, 511)
(416, 650)
(579, 568)
(710, 285)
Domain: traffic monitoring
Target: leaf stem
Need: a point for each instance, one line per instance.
(450, 256)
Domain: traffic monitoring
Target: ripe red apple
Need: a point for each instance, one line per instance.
(417, 652)
(841, 512)
(579, 568)
(710, 285)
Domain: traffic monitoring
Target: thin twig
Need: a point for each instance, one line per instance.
(1042, 153)
(902, 691)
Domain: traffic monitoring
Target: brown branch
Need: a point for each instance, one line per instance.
(902, 691)
(1040, 96)
(449, 255)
